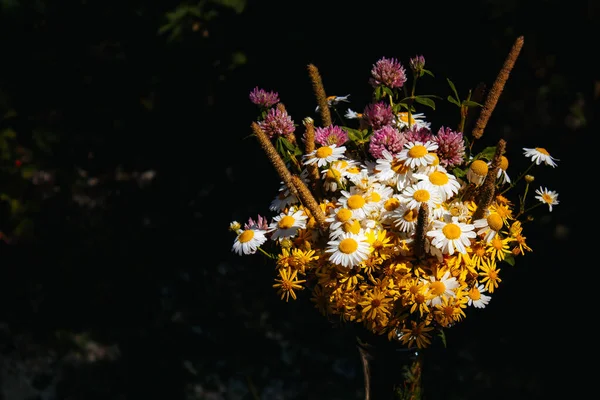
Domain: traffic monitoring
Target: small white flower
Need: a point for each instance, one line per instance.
(540, 155)
(285, 226)
(549, 197)
(451, 236)
(417, 154)
(349, 250)
(421, 192)
(324, 155)
(248, 241)
(333, 100)
(477, 298)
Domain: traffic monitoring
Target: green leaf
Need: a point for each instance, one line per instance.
(453, 89)
(509, 259)
(388, 91)
(27, 171)
(453, 100)
(378, 93)
(237, 5)
(425, 101)
(428, 72)
(487, 153)
(471, 103)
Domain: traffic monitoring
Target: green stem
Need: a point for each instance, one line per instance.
(514, 183)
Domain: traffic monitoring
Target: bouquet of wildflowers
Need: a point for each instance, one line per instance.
(388, 218)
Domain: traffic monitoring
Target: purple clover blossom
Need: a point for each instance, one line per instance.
(277, 123)
(329, 135)
(388, 72)
(387, 138)
(417, 64)
(415, 134)
(379, 115)
(451, 147)
(262, 223)
(262, 98)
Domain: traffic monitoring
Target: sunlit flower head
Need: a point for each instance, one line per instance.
(417, 121)
(451, 147)
(422, 192)
(285, 226)
(502, 173)
(540, 155)
(489, 226)
(451, 236)
(378, 115)
(442, 287)
(417, 154)
(248, 241)
(447, 183)
(548, 197)
(324, 155)
(477, 172)
(477, 298)
(349, 250)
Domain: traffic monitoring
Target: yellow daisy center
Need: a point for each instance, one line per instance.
(348, 246)
(410, 215)
(374, 197)
(436, 159)
(543, 151)
(479, 167)
(398, 167)
(503, 163)
(547, 198)
(421, 195)
(417, 151)
(437, 288)
(391, 204)
(353, 170)
(474, 294)
(344, 215)
(352, 226)
(332, 174)
(286, 222)
(451, 231)
(246, 236)
(356, 201)
(404, 117)
(494, 221)
(324, 152)
(438, 178)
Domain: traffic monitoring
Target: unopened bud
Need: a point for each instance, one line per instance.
(529, 178)
(286, 243)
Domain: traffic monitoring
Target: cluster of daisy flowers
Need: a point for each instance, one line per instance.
(385, 220)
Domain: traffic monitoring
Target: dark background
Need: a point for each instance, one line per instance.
(117, 279)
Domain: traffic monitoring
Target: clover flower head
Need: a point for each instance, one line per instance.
(331, 134)
(277, 123)
(262, 98)
(451, 147)
(386, 138)
(378, 115)
(388, 72)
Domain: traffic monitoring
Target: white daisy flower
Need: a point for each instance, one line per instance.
(351, 114)
(356, 200)
(502, 175)
(549, 197)
(477, 172)
(405, 218)
(333, 100)
(477, 298)
(451, 236)
(416, 154)
(390, 168)
(419, 193)
(324, 155)
(417, 120)
(338, 216)
(458, 209)
(285, 226)
(489, 226)
(248, 241)
(447, 183)
(540, 155)
(441, 288)
(349, 250)
(283, 200)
